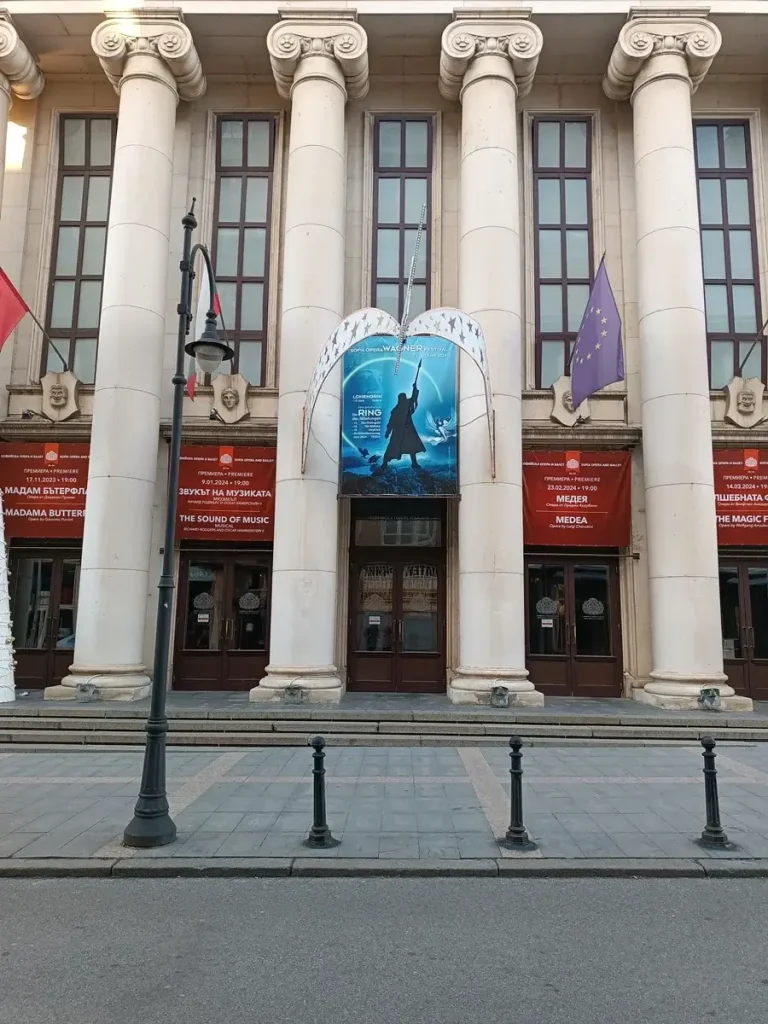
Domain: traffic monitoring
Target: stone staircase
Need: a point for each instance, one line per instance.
(43, 725)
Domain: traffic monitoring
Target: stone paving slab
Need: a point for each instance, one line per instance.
(387, 707)
(422, 804)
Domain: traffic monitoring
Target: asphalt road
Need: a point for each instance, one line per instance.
(383, 951)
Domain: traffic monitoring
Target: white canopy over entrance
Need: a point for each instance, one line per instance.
(449, 324)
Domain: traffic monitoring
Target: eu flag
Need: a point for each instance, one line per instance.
(598, 357)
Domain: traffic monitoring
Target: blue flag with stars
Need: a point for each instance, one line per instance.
(598, 357)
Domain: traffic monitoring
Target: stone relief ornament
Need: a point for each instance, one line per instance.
(649, 34)
(562, 404)
(337, 35)
(16, 62)
(160, 34)
(60, 396)
(230, 397)
(450, 324)
(744, 402)
(515, 38)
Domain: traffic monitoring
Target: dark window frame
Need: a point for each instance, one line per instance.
(64, 338)
(403, 172)
(723, 174)
(243, 172)
(560, 173)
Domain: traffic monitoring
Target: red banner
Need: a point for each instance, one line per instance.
(226, 493)
(741, 495)
(43, 487)
(576, 499)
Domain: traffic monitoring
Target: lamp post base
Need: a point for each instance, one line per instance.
(148, 829)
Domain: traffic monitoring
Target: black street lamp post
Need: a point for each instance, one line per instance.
(152, 824)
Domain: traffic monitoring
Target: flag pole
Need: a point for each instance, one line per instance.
(745, 360)
(573, 351)
(48, 339)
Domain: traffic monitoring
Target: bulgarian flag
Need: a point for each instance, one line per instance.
(204, 303)
(12, 308)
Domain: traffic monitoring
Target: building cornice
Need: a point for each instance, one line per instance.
(159, 33)
(495, 32)
(319, 33)
(17, 65)
(651, 33)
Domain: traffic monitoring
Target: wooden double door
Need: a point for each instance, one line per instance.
(397, 621)
(43, 589)
(744, 616)
(573, 631)
(222, 623)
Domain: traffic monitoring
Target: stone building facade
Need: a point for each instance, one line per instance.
(539, 136)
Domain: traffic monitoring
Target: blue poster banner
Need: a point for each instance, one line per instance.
(399, 432)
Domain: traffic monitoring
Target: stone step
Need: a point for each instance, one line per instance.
(44, 730)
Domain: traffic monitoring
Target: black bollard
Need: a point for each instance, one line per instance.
(517, 837)
(713, 834)
(319, 835)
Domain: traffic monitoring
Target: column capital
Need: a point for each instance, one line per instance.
(19, 73)
(153, 33)
(318, 33)
(489, 33)
(658, 33)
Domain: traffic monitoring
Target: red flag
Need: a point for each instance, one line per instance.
(191, 381)
(12, 308)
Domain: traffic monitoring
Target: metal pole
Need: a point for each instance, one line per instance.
(319, 835)
(713, 834)
(517, 837)
(152, 824)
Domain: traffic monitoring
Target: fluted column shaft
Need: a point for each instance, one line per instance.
(114, 577)
(660, 61)
(316, 65)
(488, 65)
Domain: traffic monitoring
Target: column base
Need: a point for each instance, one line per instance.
(673, 693)
(494, 687)
(300, 685)
(101, 684)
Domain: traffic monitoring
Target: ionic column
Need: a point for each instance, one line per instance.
(657, 63)
(19, 76)
(152, 62)
(317, 64)
(487, 64)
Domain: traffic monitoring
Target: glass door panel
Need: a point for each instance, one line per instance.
(730, 612)
(247, 627)
(592, 614)
(546, 609)
(32, 593)
(67, 611)
(204, 604)
(375, 606)
(419, 609)
(757, 579)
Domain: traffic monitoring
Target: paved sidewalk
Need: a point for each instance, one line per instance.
(390, 803)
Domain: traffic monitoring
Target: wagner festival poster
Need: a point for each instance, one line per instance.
(399, 430)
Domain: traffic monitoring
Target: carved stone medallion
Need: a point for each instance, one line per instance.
(230, 397)
(744, 401)
(562, 404)
(60, 396)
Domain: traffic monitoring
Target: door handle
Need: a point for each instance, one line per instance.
(751, 636)
(573, 637)
(227, 629)
(399, 632)
(567, 631)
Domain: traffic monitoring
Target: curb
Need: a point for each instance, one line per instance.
(319, 867)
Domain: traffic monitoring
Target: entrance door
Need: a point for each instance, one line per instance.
(222, 626)
(397, 625)
(744, 616)
(573, 633)
(44, 588)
